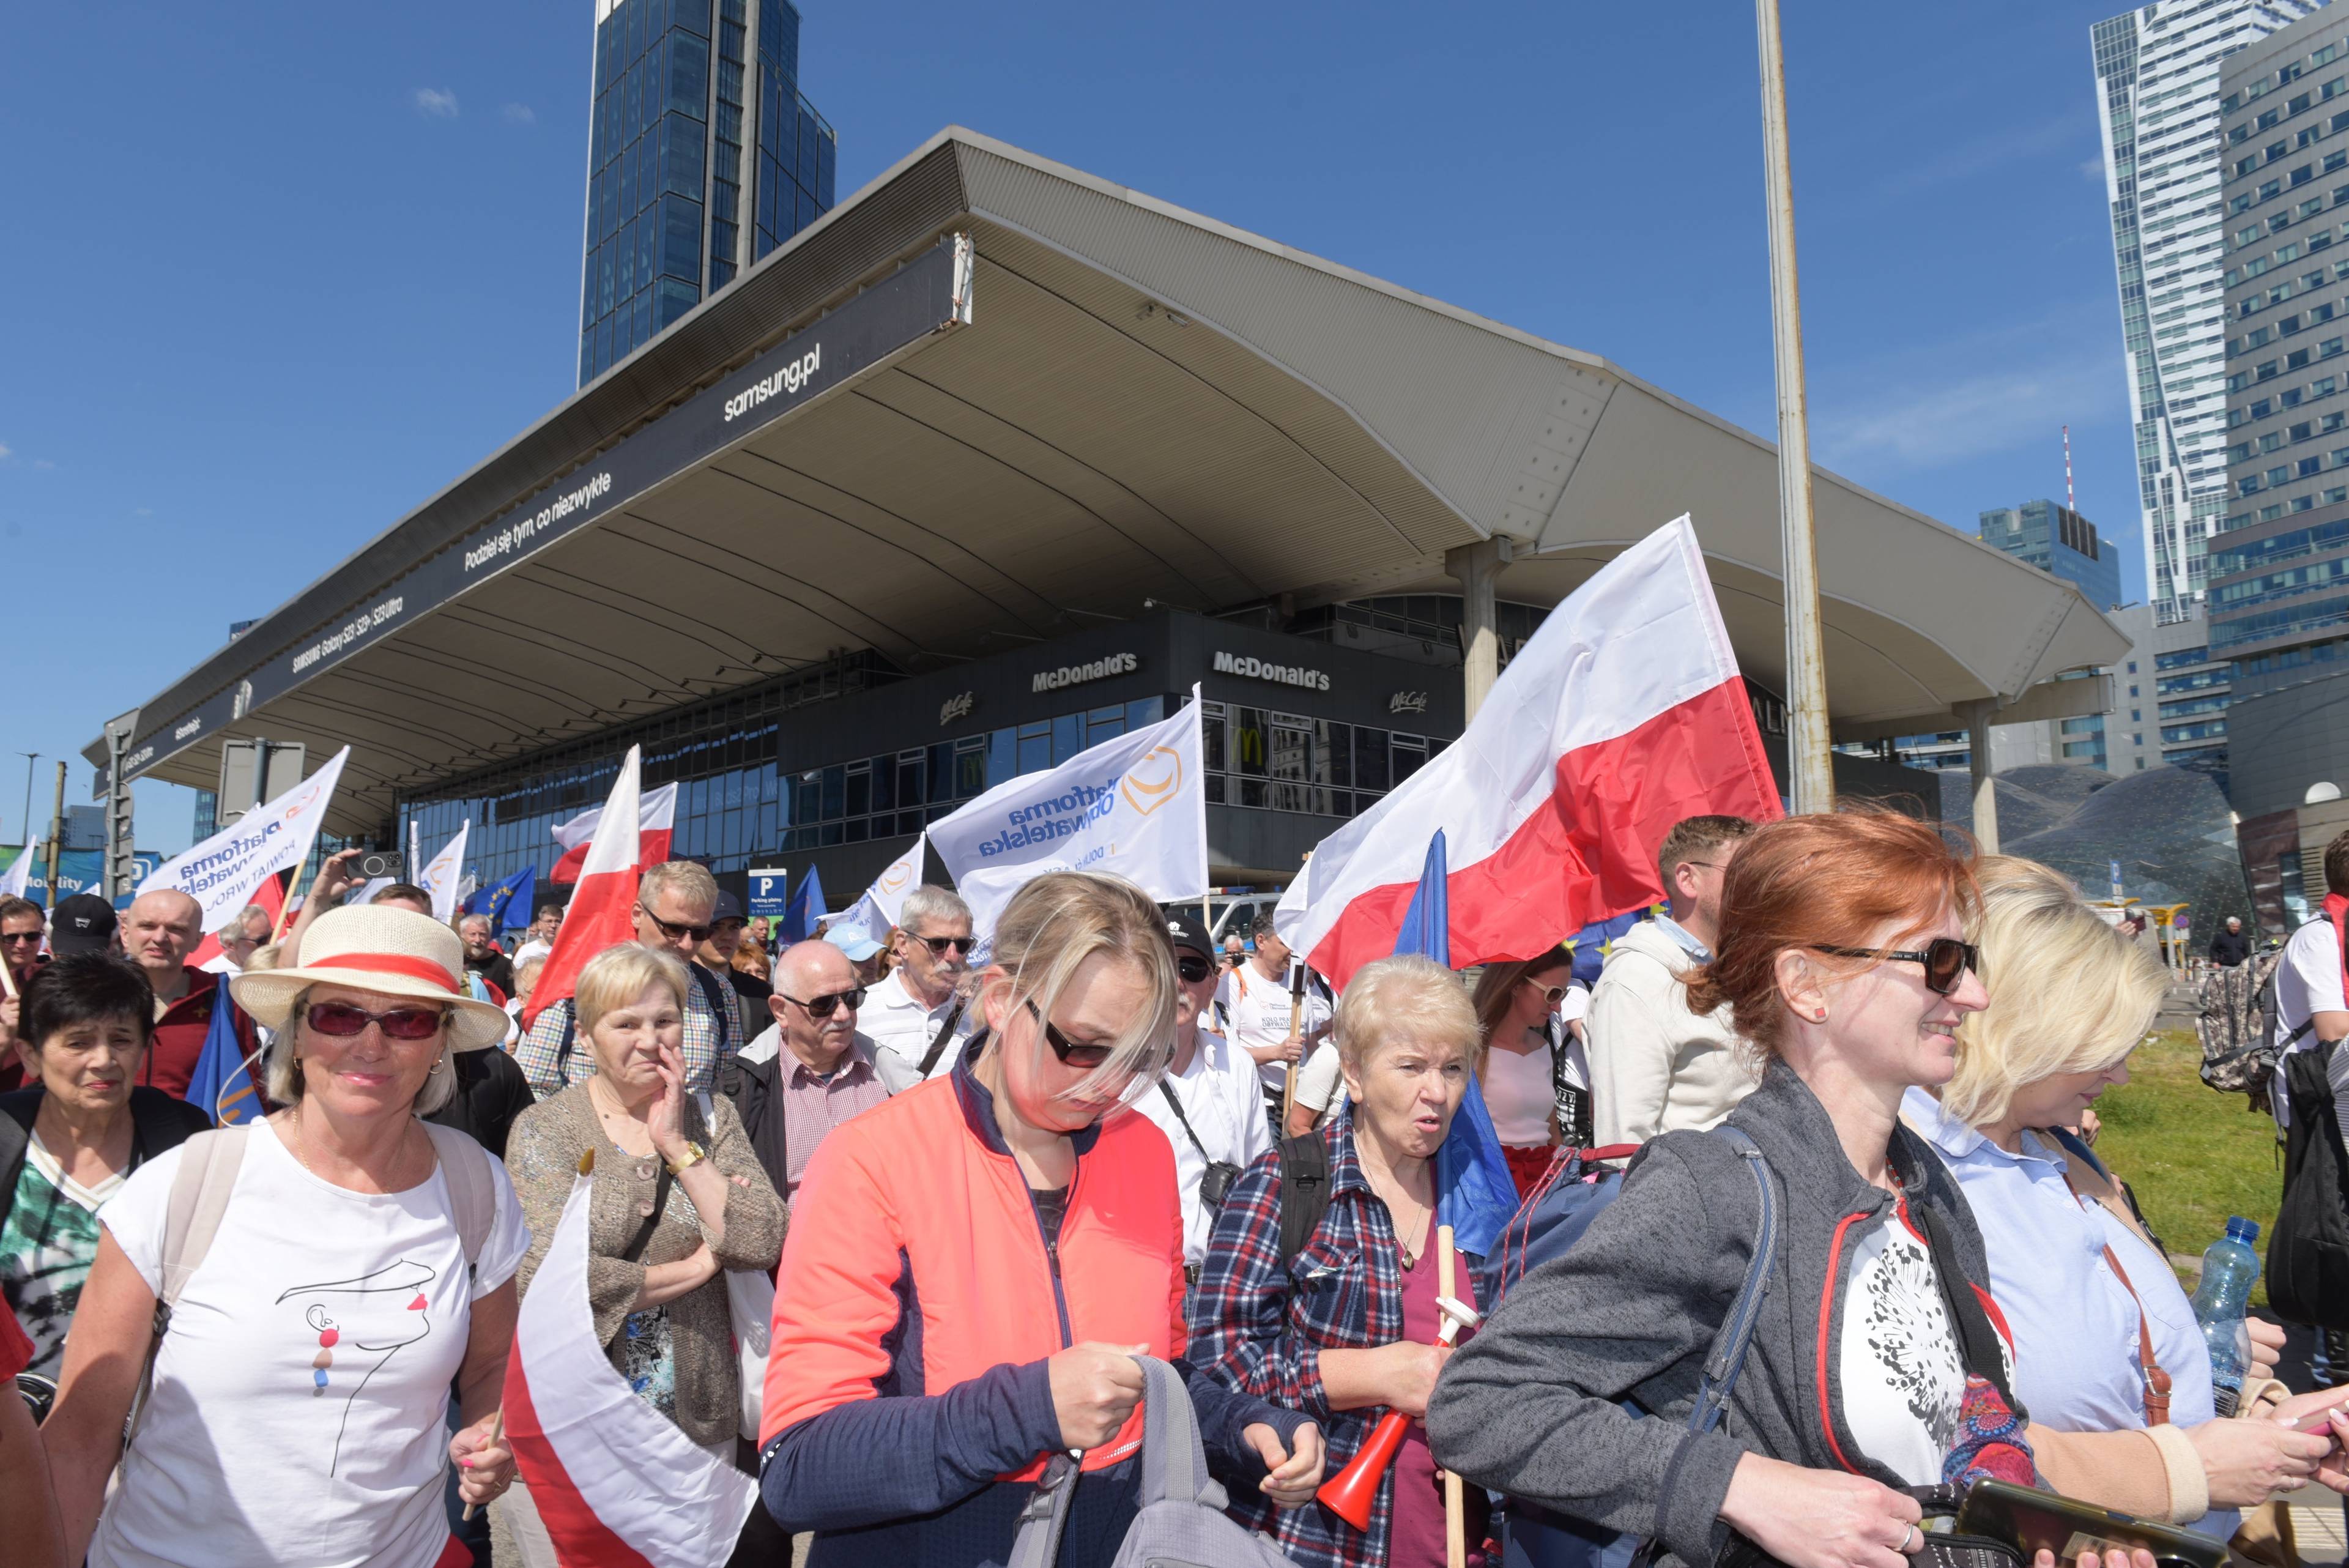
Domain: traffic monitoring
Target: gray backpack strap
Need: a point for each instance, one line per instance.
(472, 1191)
(1046, 1516)
(200, 1187)
(1173, 1460)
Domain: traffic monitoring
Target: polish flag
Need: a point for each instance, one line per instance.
(271, 896)
(657, 821)
(603, 910)
(616, 1481)
(1622, 714)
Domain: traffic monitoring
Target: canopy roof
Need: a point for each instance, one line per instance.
(1125, 401)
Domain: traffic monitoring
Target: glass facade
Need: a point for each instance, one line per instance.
(2159, 71)
(748, 792)
(2058, 541)
(699, 142)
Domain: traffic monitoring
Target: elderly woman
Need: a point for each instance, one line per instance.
(678, 1197)
(362, 1261)
(2107, 1355)
(1875, 1366)
(1535, 1079)
(71, 1141)
(975, 1263)
(1344, 1331)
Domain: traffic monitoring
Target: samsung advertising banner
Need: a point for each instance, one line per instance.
(224, 871)
(1136, 806)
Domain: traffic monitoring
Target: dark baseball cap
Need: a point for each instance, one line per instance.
(1185, 931)
(727, 907)
(84, 923)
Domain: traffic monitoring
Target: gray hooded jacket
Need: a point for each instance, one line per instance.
(1529, 1406)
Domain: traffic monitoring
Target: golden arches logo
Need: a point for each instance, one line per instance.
(1153, 780)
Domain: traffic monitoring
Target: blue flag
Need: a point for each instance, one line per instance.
(221, 1086)
(805, 910)
(1475, 1193)
(506, 903)
(1588, 945)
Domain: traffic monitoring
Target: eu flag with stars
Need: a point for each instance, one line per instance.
(506, 903)
(223, 1083)
(1475, 1193)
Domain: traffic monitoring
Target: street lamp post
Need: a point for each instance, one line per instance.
(1809, 763)
(24, 832)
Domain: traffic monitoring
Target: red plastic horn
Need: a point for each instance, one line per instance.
(1351, 1492)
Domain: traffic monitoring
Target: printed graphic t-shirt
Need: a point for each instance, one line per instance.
(310, 1357)
(47, 1245)
(1903, 1385)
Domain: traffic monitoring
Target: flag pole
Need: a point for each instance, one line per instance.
(1810, 768)
(1456, 1502)
(285, 907)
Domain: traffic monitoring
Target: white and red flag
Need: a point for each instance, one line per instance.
(603, 910)
(1622, 714)
(617, 1484)
(655, 820)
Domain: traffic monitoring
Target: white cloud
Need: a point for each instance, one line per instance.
(5, 453)
(519, 114)
(1985, 153)
(1931, 422)
(142, 512)
(43, 462)
(435, 103)
(2093, 169)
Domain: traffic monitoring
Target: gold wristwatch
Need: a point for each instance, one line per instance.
(694, 1154)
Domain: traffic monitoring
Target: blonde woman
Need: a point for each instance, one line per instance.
(1347, 1326)
(974, 1264)
(2083, 1284)
(678, 1197)
(363, 1262)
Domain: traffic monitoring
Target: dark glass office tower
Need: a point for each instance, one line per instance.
(702, 158)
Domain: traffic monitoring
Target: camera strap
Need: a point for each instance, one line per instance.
(1168, 1090)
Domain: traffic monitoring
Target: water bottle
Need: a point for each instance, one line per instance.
(2230, 1269)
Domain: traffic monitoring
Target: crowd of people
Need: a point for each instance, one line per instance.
(1844, 1242)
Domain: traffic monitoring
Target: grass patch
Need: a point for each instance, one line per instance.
(2192, 1155)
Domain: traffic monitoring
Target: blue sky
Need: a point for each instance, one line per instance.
(280, 272)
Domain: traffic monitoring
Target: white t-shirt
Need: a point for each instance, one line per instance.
(903, 1030)
(1903, 1384)
(1224, 1107)
(1322, 1081)
(243, 1458)
(1575, 1006)
(1255, 1012)
(1520, 1093)
(2308, 981)
(532, 949)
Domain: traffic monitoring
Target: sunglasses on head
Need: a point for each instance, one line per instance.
(673, 931)
(1085, 1058)
(1946, 960)
(822, 1007)
(1193, 968)
(343, 1019)
(939, 945)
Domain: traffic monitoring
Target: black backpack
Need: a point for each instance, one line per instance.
(2308, 1251)
(157, 1121)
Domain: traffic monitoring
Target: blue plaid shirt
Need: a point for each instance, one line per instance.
(712, 1038)
(1260, 1322)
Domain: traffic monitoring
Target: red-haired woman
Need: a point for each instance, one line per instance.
(1874, 1365)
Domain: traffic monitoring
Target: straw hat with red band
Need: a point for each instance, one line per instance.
(392, 952)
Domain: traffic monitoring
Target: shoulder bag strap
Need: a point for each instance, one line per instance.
(1304, 1190)
(721, 1008)
(1045, 1515)
(1173, 1461)
(472, 1191)
(944, 1034)
(563, 1047)
(1727, 1358)
(1167, 1089)
(1978, 1341)
(2155, 1380)
(192, 1218)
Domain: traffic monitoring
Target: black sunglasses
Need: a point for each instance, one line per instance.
(671, 929)
(939, 945)
(1084, 1057)
(822, 1007)
(1946, 960)
(1192, 968)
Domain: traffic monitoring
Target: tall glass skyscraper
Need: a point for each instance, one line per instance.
(2158, 69)
(702, 158)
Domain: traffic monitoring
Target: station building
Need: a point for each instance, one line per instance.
(996, 458)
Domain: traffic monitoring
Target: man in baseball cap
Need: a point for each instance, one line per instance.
(1209, 1104)
(84, 923)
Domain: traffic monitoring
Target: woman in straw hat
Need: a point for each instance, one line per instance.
(358, 1262)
